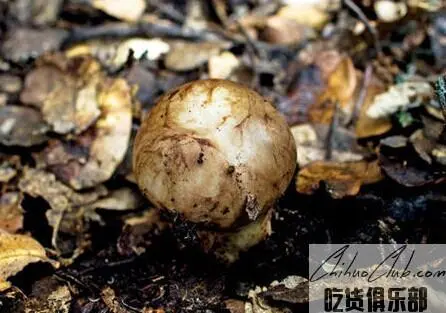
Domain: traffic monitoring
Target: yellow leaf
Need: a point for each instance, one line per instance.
(16, 252)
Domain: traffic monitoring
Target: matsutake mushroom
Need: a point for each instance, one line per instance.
(219, 155)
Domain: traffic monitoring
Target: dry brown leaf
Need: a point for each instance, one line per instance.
(221, 66)
(65, 90)
(343, 82)
(58, 301)
(38, 183)
(407, 174)
(121, 199)
(8, 167)
(10, 83)
(112, 135)
(305, 14)
(77, 95)
(138, 230)
(341, 179)
(365, 125)
(16, 252)
(48, 295)
(326, 77)
(11, 212)
(282, 30)
(311, 144)
(130, 10)
(186, 56)
(340, 87)
(22, 43)
(21, 126)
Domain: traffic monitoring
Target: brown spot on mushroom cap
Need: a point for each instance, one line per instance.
(199, 133)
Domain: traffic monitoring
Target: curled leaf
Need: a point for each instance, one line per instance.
(341, 179)
(16, 252)
(399, 97)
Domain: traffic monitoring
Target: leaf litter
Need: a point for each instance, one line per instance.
(355, 83)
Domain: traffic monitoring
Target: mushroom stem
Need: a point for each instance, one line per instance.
(227, 245)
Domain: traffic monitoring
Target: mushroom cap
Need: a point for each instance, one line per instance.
(215, 152)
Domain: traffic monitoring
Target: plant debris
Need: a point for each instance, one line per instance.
(361, 86)
(16, 252)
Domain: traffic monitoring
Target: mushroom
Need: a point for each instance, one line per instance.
(218, 155)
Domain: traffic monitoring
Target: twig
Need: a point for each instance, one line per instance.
(67, 277)
(362, 94)
(56, 230)
(108, 265)
(330, 134)
(168, 10)
(125, 30)
(129, 307)
(252, 52)
(352, 6)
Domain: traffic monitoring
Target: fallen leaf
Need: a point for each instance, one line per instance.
(305, 14)
(122, 199)
(367, 126)
(10, 83)
(49, 295)
(130, 10)
(324, 78)
(36, 12)
(66, 91)
(152, 49)
(427, 5)
(61, 198)
(221, 66)
(399, 97)
(312, 146)
(112, 132)
(22, 44)
(79, 96)
(342, 84)
(21, 126)
(422, 145)
(394, 142)
(186, 56)
(282, 30)
(8, 167)
(408, 175)
(11, 212)
(341, 179)
(439, 154)
(16, 252)
(390, 11)
(138, 231)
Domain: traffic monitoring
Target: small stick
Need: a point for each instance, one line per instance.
(362, 95)
(331, 131)
(352, 6)
(252, 52)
